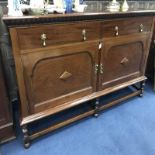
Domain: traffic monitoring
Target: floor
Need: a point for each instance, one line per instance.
(126, 129)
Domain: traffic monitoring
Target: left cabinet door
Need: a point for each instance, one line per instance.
(58, 75)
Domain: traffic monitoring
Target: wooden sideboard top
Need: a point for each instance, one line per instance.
(37, 19)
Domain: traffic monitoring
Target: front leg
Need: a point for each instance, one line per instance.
(26, 137)
(96, 114)
(142, 84)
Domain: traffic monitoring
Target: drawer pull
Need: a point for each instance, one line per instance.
(84, 34)
(43, 38)
(116, 31)
(141, 28)
(101, 69)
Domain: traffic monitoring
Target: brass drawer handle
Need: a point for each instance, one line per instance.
(141, 28)
(116, 31)
(43, 38)
(84, 34)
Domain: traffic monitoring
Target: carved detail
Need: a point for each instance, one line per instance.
(48, 19)
(124, 61)
(65, 75)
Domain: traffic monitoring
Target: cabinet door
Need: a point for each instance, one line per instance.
(123, 58)
(60, 74)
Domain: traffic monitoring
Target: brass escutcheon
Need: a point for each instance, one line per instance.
(84, 34)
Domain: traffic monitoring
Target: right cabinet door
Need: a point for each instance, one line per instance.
(123, 58)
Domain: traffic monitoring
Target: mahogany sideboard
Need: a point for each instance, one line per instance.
(63, 61)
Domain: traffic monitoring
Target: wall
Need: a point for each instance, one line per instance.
(3, 4)
(134, 5)
(101, 4)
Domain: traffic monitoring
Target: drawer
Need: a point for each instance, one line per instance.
(126, 26)
(57, 34)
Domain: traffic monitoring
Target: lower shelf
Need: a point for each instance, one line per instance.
(137, 88)
(74, 103)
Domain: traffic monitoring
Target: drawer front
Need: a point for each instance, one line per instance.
(57, 34)
(126, 26)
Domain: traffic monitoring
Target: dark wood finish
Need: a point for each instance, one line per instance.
(69, 66)
(50, 18)
(54, 63)
(126, 27)
(57, 34)
(81, 116)
(6, 124)
(74, 103)
(62, 124)
(128, 54)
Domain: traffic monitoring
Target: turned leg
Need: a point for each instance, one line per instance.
(142, 84)
(26, 137)
(96, 114)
